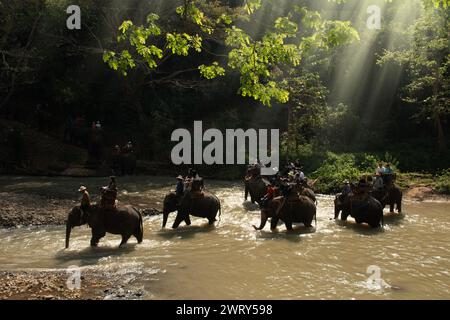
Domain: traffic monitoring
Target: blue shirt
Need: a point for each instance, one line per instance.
(180, 187)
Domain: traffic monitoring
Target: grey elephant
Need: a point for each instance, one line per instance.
(204, 205)
(364, 210)
(296, 208)
(308, 192)
(391, 196)
(124, 220)
(256, 187)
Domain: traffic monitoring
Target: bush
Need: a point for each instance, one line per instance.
(334, 170)
(443, 182)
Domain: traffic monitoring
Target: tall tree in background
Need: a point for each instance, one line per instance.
(262, 59)
(426, 59)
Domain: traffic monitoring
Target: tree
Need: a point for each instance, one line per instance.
(19, 22)
(427, 63)
(255, 57)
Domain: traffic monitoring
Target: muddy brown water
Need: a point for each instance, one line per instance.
(408, 259)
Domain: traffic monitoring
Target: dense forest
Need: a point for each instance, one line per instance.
(343, 91)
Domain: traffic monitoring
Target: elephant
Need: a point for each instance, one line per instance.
(95, 145)
(199, 204)
(128, 163)
(304, 191)
(124, 164)
(368, 210)
(389, 196)
(80, 136)
(257, 187)
(124, 220)
(296, 209)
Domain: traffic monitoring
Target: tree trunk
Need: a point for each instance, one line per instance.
(437, 117)
(440, 133)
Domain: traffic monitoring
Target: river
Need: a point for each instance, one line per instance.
(408, 259)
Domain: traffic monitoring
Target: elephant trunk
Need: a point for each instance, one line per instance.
(68, 229)
(165, 216)
(263, 221)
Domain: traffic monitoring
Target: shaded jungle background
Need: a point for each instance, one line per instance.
(343, 115)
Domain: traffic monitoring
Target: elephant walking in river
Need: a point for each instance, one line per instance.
(391, 196)
(257, 188)
(364, 210)
(199, 204)
(126, 221)
(297, 208)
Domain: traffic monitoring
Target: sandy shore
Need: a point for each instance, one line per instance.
(31, 209)
(51, 285)
(21, 209)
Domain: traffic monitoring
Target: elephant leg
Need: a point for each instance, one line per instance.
(96, 236)
(391, 207)
(288, 225)
(246, 193)
(344, 216)
(178, 220)
(399, 206)
(274, 223)
(308, 224)
(336, 212)
(139, 237)
(211, 221)
(188, 220)
(125, 238)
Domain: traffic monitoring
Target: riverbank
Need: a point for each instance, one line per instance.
(52, 285)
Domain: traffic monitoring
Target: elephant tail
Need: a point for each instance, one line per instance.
(140, 229)
(315, 219)
(220, 210)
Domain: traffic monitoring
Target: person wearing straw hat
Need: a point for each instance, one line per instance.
(346, 190)
(85, 199)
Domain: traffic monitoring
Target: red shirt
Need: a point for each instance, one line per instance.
(270, 191)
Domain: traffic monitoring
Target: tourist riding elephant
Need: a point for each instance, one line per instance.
(128, 163)
(389, 196)
(295, 209)
(126, 221)
(368, 210)
(95, 145)
(199, 204)
(257, 187)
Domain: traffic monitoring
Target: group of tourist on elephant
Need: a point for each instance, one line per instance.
(285, 196)
(366, 200)
(288, 196)
(106, 216)
(123, 159)
(190, 198)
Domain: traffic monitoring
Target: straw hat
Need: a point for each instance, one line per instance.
(82, 188)
(180, 178)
